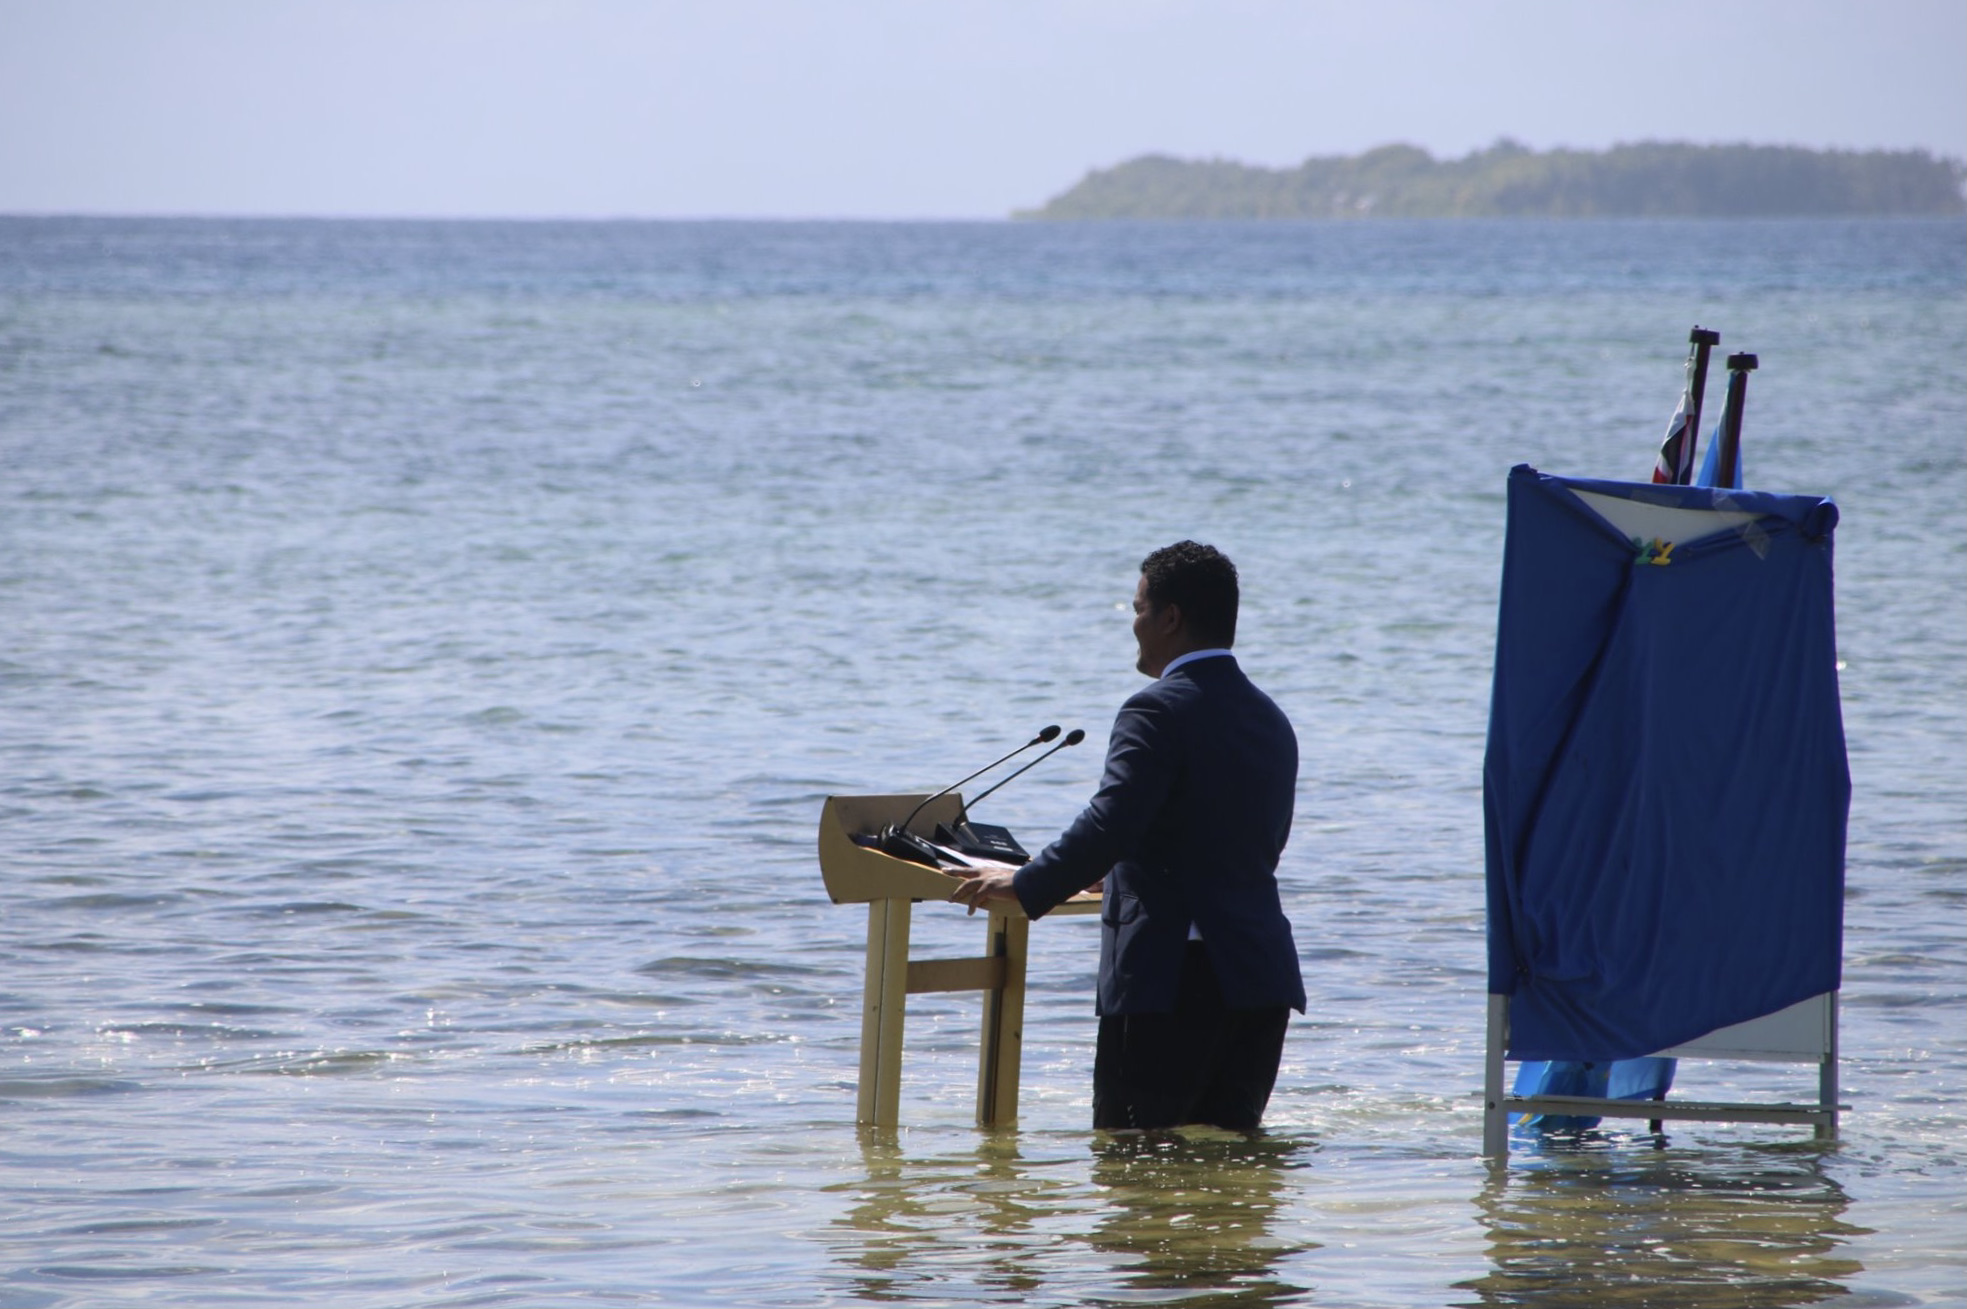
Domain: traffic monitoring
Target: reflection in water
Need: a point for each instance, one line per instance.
(1574, 1225)
(1195, 1210)
(929, 1226)
(1190, 1217)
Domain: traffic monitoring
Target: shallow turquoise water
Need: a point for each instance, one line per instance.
(429, 646)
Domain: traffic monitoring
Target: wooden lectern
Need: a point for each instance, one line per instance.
(889, 887)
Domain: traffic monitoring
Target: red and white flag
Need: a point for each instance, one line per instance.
(1676, 462)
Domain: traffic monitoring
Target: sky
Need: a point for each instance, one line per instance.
(894, 109)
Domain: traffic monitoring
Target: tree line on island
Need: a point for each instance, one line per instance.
(1508, 180)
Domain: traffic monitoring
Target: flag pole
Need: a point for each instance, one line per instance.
(1675, 465)
(1700, 341)
(1728, 463)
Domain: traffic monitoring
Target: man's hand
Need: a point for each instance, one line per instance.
(982, 889)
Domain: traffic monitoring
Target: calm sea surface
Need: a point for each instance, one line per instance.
(427, 647)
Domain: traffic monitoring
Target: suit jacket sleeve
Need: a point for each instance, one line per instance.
(1140, 770)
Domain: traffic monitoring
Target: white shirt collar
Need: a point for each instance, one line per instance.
(1192, 656)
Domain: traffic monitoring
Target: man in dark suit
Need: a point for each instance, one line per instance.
(1198, 968)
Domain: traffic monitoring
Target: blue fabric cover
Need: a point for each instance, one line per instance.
(1665, 789)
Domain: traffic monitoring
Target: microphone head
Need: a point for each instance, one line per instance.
(1075, 736)
(1049, 733)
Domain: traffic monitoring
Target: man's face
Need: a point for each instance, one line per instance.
(1157, 632)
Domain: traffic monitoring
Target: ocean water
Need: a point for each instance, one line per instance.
(427, 647)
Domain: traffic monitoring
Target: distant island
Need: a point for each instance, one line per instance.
(1508, 180)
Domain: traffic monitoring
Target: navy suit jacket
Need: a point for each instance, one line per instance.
(1187, 826)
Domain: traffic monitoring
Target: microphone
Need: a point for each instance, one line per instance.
(1074, 737)
(1047, 734)
(985, 840)
(898, 841)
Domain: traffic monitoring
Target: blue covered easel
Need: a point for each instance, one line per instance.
(1665, 792)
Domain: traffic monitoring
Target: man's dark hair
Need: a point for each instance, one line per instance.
(1202, 580)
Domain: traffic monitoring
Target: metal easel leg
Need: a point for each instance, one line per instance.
(1827, 1088)
(1495, 1121)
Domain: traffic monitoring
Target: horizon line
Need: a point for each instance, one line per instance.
(1016, 218)
(373, 216)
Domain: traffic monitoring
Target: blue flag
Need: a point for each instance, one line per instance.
(1711, 465)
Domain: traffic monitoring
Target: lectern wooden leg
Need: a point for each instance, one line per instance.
(1003, 1023)
(884, 1003)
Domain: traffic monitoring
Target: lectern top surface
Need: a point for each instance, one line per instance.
(856, 874)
